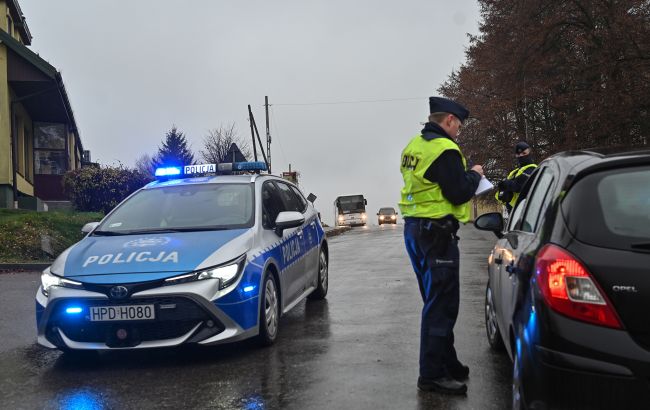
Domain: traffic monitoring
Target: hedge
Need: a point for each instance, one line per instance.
(100, 189)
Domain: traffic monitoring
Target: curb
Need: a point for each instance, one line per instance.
(30, 267)
(329, 232)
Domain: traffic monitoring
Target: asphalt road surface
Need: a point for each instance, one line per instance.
(356, 350)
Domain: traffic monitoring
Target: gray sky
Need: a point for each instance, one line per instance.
(134, 68)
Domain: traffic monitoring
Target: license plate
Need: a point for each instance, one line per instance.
(115, 313)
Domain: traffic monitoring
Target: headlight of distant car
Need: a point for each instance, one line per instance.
(381, 217)
(363, 216)
(227, 273)
(392, 217)
(49, 280)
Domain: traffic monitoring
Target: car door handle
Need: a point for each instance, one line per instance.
(498, 260)
(511, 269)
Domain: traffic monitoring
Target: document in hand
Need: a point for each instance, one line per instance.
(484, 186)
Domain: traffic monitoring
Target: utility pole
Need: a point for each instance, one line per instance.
(268, 132)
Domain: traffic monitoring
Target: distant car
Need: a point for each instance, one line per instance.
(568, 292)
(387, 216)
(202, 260)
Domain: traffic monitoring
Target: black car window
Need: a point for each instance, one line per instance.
(291, 201)
(536, 201)
(272, 204)
(387, 211)
(516, 214)
(611, 208)
(301, 199)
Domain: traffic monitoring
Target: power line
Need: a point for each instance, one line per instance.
(354, 101)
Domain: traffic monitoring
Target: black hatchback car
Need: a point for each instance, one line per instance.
(568, 293)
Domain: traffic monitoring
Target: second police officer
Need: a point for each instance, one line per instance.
(435, 198)
(508, 190)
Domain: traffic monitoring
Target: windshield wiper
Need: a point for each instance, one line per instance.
(174, 230)
(108, 233)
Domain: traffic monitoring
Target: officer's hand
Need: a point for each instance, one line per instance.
(501, 185)
(479, 169)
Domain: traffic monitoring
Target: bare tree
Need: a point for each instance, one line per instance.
(216, 145)
(144, 164)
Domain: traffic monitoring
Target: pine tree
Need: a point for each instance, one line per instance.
(174, 150)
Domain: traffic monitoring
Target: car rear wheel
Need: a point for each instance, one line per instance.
(269, 312)
(323, 277)
(491, 325)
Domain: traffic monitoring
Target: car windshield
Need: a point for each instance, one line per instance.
(386, 211)
(183, 208)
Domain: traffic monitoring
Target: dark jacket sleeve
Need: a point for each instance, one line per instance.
(457, 184)
(517, 184)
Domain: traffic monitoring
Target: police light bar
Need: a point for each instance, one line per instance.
(200, 169)
(243, 166)
(167, 171)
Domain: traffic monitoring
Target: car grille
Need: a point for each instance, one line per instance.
(175, 317)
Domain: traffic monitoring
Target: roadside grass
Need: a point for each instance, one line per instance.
(21, 232)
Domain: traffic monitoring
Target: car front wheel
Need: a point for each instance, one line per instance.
(269, 312)
(323, 278)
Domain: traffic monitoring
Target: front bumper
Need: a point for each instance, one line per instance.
(185, 313)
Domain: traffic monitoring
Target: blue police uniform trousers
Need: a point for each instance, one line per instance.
(437, 273)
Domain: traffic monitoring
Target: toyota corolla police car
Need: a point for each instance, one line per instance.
(204, 260)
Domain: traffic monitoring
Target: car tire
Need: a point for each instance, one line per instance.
(491, 326)
(323, 278)
(269, 311)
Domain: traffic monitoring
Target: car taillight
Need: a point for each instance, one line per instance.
(569, 289)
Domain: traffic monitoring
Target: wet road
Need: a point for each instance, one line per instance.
(356, 350)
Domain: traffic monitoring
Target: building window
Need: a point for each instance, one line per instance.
(50, 148)
(10, 26)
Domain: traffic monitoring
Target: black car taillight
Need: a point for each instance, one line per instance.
(569, 289)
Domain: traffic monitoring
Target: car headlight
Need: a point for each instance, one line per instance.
(392, 217)
(49, 280)
(381, 217)
(363, 216)
(227, 274)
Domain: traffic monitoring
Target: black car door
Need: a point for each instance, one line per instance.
(519, 239)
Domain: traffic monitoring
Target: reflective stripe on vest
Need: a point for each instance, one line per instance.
(512, 175)
(420, 197)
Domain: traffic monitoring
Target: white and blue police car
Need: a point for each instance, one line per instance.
(187, 259)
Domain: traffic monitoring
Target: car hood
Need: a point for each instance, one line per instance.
(98, 259)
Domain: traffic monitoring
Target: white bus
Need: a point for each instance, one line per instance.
(350, 210)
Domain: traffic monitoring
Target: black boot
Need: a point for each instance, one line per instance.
(459, 373)
(445, 385)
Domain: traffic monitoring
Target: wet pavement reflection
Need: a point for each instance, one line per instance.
(358, 349)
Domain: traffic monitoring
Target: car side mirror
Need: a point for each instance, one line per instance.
(89, 227)
(377, 213)
(492, 221)
(288, 219)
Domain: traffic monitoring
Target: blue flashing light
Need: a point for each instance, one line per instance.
(73, 310)
(167, 171)
(249, 289)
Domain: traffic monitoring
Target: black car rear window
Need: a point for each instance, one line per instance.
(611, 208)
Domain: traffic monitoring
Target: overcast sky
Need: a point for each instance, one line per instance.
(134, 68)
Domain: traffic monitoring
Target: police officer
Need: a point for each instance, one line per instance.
(508, 190)
(435, 198)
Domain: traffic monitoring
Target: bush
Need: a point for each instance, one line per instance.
(94, 189)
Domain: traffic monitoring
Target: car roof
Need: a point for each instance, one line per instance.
(214, 179)
(582, 160)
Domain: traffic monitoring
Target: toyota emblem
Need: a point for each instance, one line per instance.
(118, 292)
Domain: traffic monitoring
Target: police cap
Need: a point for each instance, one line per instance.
(521, 147)
(439, 104)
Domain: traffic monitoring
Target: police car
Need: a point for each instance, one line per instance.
(186, 259)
